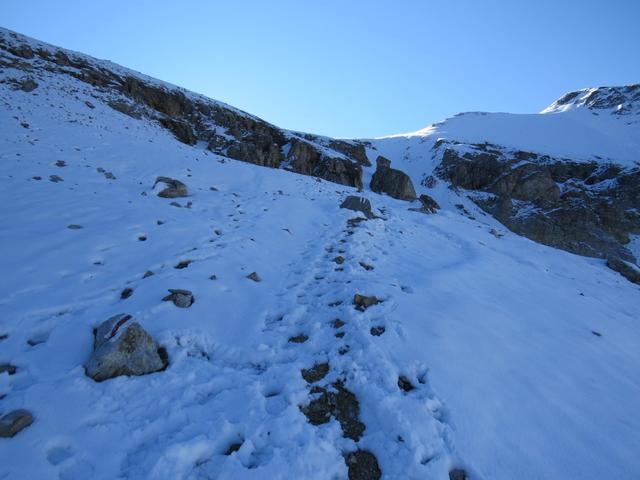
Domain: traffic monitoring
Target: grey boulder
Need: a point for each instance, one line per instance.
(174, 188)
(180, 298)
(123, 347)
(394, 183)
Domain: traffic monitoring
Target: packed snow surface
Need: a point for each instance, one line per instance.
(524, 358)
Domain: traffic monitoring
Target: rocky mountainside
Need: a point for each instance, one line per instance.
(361, 309)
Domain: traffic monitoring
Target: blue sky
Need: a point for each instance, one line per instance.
(355, 68)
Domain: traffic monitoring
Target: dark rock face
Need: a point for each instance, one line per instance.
(181, 130)
(394, 183)
(584, 208)
(123, 347)
(174, 189)
(14, 422)
(358, 204)
(363, 465)
(339, 403)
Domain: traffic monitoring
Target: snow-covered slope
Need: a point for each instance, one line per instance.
(523, 359)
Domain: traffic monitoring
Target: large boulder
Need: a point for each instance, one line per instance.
(15, 421)
(394, 183)
(123, 347)
(174, 188)
(358, 204)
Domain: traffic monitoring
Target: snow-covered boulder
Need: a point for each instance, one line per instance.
(174, 188)
(123, 347)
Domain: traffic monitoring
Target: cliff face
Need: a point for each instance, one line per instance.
(191, 118)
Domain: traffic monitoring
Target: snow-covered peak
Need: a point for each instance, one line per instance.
(616, 100)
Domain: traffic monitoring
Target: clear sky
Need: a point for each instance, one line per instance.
(354, 68)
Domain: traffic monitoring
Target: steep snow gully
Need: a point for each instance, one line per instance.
(300, 339)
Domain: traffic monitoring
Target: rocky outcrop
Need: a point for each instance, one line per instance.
(190, 118)
(626, 269)
(123, 347)
(586, 208)
(394, 183)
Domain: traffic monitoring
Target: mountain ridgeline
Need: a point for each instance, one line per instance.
(588, 206)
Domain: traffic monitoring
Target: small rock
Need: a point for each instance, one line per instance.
(142, 238)
(405, 384)
(363, 302)
(458, 474)
(55, 178)
(111, 176)
(299, 338)
(254, 276)
(175, 188)
(315, 373)
(15, 421)
(213, 277)
(180, 298)
(339, 335)
(366, 266)
(126, 293)
(339, 259)
(183, 264)
(363, 465)
(337, 323)
(353, 222)
(8, 368)
(234, 447)
(73, 226)
(175, 204)
(147, 274)
(597, 334)
(61, 163)
(37, 177)
(428, 204)
(358, 204)
(123, 347)
(89, 104)
(160, 222)
(377, 331)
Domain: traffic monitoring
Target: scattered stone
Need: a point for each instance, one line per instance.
(377, 331)
(8, 368)
(429, 181)
(366, 266)
(147, 274)
(61, 163)
(254, 276)
(123, 347)
(27, 85)
(213, 277)
(213, 189)
(37, 177)
(339, 403)
(394, 183)
(4, 336)
(175, 204)
(363, 302)
(180, 298)
(183, 264)
(73, 226)
(496, 233)
(160, 222)
(458, 474)
(354, 222)
(405, 384)
(315, 373)
(626, 269)
(89, 104)
(597, 334)
(217, 232)
(142, 238)
(339, 259)
(24, 124)
(126, 293)
(299, 338)
(234, 447)
(55, 178)
(337, 323)
(343, 350)
(111, 176)
(428, 204)
(339, 335)
(15, 421)
(358, 204)
(174, 189)
(363, 465)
